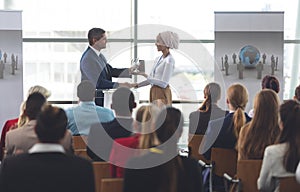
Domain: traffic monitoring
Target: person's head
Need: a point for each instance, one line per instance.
(297, 93)
(263, 129)
(167, 39)
(237, 99)
(97, 38)
(212, 93)
(270, 82)
(51, 124)
(146, 117)
(86, 91)
(40, 89)
(123, 101)
(169, 122)
(33, 105)
(290, 124)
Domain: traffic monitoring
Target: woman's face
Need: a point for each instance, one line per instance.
(160, 44)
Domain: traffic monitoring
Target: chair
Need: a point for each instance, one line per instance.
(247, 174)
(79, 142)
(288, 184)
(222, 161)
(101, 171)
(112, 185)
(82, 153)
(194, 144)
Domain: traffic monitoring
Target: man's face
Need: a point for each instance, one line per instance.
(101, 43)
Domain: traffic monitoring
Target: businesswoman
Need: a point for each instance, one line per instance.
(160, 92)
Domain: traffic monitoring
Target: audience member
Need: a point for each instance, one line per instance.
(263, 129)
(223, 132)
(268, 82)
(122, 147)
(209, 110)
(101, 136)
(46, 167)
(81, 117)
(281, 160)
(22, 139)
(21, 120)
(162, 169)
(297, 93)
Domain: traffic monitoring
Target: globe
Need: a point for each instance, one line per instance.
(249, 56)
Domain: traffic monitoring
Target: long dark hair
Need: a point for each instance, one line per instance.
(170, 122)
(289, 115)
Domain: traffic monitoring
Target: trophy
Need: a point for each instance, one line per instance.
(135, 63)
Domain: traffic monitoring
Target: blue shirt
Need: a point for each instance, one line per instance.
(81, 117)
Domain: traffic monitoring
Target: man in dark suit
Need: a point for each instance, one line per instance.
(46, 167)
(94, 66)
(102, 135)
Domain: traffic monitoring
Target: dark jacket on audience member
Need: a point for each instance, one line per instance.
(101, 137)
(47, 172)
(199, 120)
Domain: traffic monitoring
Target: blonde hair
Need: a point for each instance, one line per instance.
(148, 136)
(237, 96)
(37, 88)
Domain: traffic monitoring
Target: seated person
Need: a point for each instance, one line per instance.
(22, 139)
(102, 135)
(297, 93)
(46, 167)
(81, 117)
(209, 110)
(123, 148)
(161, 168)
(22, 119)
(281, 160)
(263, 129)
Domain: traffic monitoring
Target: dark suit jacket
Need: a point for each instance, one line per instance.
(199, 120)
(150, 179)
(101, 137)
(220, 134)
(96, 69)
(51, 171)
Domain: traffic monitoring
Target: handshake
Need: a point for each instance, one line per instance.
(129, 85)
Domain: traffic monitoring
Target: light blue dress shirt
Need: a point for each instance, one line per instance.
(81, 117)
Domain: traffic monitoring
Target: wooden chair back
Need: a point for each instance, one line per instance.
(194, 144)
(224, 161)
(112, 185)
(101, 171)
(79, 142)
(248, 172)
(288, 184)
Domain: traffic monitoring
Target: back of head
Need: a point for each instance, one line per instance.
(297, 93)
(237, 96)
(39, 89)
(86, 91)
(212, 93)
(33, 105)
(290, 134)
(270, 82)
(96, 33)
(51, 124)
(168, 123)
(263, 129)
(123, 101)
(148, 117)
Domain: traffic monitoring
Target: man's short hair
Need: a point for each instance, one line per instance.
(33, 105)
(51, 124)
(86, 91)
(96, 33)
(123, 101)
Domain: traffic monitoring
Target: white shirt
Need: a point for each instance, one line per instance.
(161, 72)
(46, 147)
